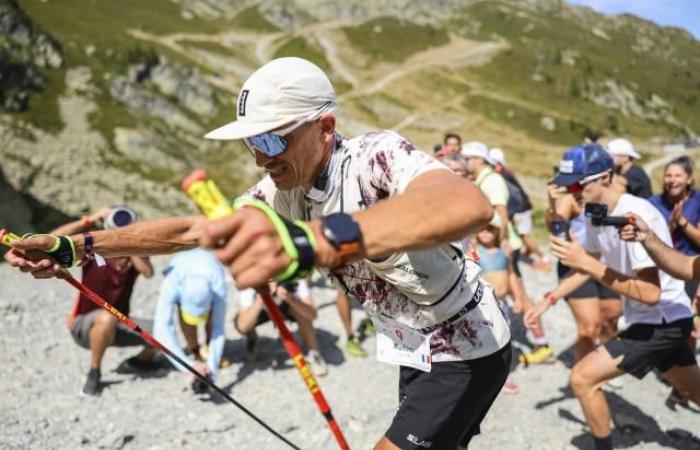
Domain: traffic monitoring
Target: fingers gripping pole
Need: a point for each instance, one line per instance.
(6, 238)
(208, 197)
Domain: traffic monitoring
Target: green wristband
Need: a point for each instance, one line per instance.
(297, 239)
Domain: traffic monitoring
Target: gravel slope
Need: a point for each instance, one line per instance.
(42, 371)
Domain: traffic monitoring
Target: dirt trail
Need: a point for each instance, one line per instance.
(458, 53)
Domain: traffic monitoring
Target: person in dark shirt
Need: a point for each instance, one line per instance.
(90, 326)
(635, 179)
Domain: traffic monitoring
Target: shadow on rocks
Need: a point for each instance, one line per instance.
(566, 393)
(633, 427)
(271, 355)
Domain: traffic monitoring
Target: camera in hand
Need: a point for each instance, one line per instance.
(598, 213)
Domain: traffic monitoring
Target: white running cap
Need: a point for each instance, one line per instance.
(497, 155)
(477, 149)
(622, 147)
(282, 91)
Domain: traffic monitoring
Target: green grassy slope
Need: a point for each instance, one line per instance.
(539, 44)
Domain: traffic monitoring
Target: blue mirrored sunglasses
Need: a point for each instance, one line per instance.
(272, 143)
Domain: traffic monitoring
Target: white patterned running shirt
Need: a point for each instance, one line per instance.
(419, 289)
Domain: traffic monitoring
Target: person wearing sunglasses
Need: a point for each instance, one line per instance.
(656, 307)
(382, 218)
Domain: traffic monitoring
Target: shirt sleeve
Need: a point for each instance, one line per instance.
(387, 163)
(495, 189)
(218, 338)
(164, 325)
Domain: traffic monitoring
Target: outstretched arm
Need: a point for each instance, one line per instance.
(666, 258)
(155, 237)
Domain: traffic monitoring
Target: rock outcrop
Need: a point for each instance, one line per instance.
(22, 50)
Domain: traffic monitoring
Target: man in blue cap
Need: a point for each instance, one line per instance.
(656, 308)
(194, 286)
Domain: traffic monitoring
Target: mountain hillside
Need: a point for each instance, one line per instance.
(106, 102)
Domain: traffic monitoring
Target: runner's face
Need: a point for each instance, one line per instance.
(592, 191)
(297, 165)
(676, 181)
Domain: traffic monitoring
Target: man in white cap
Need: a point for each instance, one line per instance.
(480, 170)
(195, 288)
(382, 217)
(635, 179)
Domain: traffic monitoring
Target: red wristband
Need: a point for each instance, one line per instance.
(550, 298)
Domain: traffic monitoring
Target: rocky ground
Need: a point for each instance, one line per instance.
(42, 370)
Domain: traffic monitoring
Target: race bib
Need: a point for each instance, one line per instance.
(399, 344)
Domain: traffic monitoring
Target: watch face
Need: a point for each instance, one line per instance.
(340, 228)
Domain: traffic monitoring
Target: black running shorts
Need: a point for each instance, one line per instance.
(444, 408)
(648, 346)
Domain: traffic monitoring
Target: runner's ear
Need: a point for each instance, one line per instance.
(327, 122)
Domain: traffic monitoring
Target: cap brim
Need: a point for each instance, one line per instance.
(567, 179)
(241, 130)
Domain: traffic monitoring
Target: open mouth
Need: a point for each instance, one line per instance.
(276, 172)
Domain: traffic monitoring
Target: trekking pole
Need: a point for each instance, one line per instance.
(211, 201)
(6, 238)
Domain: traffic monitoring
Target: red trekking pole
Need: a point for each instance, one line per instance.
(209, 199)
(7, 238)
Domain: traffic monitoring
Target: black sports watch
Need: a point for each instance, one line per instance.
(344, 235)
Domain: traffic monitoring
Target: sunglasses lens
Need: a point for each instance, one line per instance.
(269, 144)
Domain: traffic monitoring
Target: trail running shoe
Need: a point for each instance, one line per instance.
(318, 365)
(92, 383)
(353, 347)
(366, 328)
(199, 387)
(542, 354)
(676, 398)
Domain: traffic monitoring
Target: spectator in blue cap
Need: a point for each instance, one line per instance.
(656, 307)
(194, 286)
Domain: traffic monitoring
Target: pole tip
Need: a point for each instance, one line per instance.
(195, 176)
